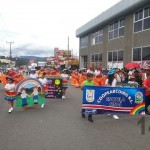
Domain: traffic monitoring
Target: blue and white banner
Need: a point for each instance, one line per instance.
(97, 100)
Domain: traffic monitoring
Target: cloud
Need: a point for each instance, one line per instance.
(31, 49)
(37, 27)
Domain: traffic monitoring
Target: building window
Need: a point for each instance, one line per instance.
(109, 56)
(146, 53)
(115, 59)
(116, 29)
(120, 55)
(97, 37)
(84, 42)
(85, 61)
(142, 19)
(115, 56)
(137, 54)
(96, 57)
(141, 54)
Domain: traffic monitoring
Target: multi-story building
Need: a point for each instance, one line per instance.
(119, 35)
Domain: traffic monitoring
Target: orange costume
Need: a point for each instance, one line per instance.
(3, 79)
(75, 79)
(97, 80)
(103, 80)
(17, 77)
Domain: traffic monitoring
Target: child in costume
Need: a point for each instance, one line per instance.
(65, 78)
(43, 80)
(10, 94)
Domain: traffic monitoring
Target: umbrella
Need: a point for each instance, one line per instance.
(132, 65)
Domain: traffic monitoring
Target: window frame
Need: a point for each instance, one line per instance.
(143, 19)
(112, 29)
(85, 43)
(112, 55)
(93, 55)
(141, 52)
(96, 35)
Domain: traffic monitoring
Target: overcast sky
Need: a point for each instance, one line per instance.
(37, 26)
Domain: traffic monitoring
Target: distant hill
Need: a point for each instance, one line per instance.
(33, 57)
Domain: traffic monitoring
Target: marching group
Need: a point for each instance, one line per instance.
(87, 77)
(10, 86)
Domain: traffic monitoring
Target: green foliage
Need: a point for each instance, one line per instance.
(21, 62)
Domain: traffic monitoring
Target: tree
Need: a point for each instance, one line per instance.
(21, 61)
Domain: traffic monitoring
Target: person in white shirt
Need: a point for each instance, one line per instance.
(90, 70)
(130, 73)
(132, 81)
(43, 79)
(111, 81)
(97, 71)
(33, 74)
(117, 77)
(65, 82)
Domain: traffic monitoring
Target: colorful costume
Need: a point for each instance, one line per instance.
(65, 78)
(10, 95)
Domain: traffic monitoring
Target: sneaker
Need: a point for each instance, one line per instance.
(90, 119)
(83, 115)
(115, 117)
(42, 106)
(9, 110)
(63, 97)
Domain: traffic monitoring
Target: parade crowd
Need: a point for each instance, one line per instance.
(138, 77)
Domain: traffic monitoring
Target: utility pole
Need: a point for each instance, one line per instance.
(10, 53)
(68, 53)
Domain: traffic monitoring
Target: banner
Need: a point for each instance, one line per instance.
(97, 100)
(54, 85)
(30, 94)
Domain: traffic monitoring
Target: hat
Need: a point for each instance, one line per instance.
(111, 72)
(10, 78)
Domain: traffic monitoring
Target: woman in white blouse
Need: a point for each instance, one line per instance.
(111, 81)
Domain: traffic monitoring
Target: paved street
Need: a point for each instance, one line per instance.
(59, 126)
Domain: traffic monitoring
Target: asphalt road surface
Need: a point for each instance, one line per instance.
(59, 126)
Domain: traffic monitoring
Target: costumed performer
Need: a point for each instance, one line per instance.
(10, 94)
